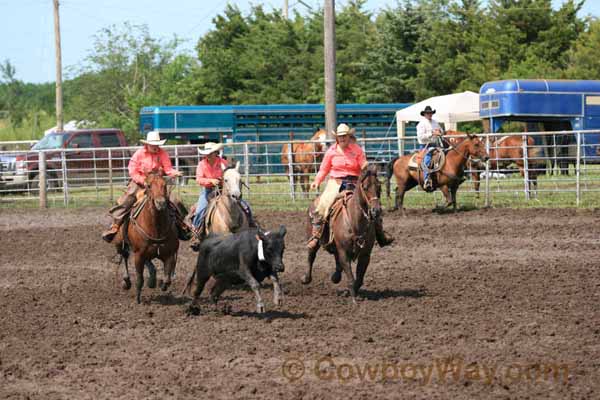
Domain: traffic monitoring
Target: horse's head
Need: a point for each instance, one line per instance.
(370, 188)
(476, 148)
(156, 190)
(232, 181)
(321, 136)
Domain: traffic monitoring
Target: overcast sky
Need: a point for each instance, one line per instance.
(27, 27)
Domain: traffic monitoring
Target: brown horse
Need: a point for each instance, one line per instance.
(150, 232)
(447, 179)
(305, 159)
(505, 151)
(353, 232)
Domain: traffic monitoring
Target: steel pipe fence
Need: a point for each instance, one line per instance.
(539, 168)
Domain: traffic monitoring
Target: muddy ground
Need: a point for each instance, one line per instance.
(482, 304)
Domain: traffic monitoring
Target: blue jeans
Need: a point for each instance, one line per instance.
(427, 159)
(201, 207)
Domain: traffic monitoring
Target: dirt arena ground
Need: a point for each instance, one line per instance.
(481, 304)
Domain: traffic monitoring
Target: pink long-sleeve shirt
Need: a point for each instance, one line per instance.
(143, 162)
(340, 163)
(205, 172)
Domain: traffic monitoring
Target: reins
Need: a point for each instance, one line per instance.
(141, 230)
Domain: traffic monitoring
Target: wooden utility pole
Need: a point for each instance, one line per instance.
(329, 45)
(285, 9)
(59, 97)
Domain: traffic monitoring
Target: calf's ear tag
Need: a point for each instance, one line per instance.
(261, 253)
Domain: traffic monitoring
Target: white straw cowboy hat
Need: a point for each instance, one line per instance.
(153, 138)
(343, 130)
(210, 147)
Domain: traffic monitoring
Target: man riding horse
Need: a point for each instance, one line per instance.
(209, 175)
(149, 159)
(344, 162)
(428, 135)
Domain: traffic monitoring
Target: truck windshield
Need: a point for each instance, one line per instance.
(51, 141)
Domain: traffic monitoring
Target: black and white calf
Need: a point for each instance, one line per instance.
(247, 256)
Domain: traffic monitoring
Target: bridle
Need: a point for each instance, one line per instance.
(369, 213)
(147, 196)
(467, 156)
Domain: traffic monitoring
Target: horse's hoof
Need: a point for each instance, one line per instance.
(164, 286)
(126, 285)
(306, 279)
(336, 277)
(260, 308)
(278, 301)
(193, 310)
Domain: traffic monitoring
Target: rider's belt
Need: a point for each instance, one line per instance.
(349, 178)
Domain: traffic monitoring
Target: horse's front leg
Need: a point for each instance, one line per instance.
(312, 254)
(346, 264)
(361, 268)
(151, 274)
(277, 290)
(453, 191)
(126, 285)
(169, 269)
(446, 192)
(139, 270)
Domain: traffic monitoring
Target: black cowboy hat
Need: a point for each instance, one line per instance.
(427, 110)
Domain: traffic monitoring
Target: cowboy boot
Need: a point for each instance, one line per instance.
(199, 235)
(110, 234)
(382, 237)
(317, 231)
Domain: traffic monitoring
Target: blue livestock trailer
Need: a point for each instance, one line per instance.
(265, 123)
(558, 105)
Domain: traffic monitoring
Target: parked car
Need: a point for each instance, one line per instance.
(88, 160)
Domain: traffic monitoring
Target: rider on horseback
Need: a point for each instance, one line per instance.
(428, 135)
(344, 162)
(209, 175)
(150, 158)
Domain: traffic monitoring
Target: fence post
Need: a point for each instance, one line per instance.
(110, 177)
(525, 166)
(96, 174)
(42, 180)
(487, 172)
(291, 171)
(246, 168)
(177, 168)
(64, 178)
(578, 169)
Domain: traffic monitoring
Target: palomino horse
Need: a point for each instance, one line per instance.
(353, 230)
(507, 150)
(448, 178)
(305, 159)
(224, 214)
(150, 232)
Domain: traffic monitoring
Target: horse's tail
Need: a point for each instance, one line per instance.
(389, 172)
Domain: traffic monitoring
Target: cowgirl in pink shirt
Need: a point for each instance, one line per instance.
(150, 158)
(343, 162)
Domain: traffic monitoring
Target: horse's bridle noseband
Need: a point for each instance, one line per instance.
(368, 214)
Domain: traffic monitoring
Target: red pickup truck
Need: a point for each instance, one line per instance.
(87, 160)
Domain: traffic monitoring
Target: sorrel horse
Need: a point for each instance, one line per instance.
(353, 232)
(150, 232)
(504, 151)
(224, 214)
(447, 179)
(305, 159)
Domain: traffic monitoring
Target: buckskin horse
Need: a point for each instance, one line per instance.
(447, 179)
(224, 214)
(352, 223)
(305, 159)
(507, 150)
(149, 232)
